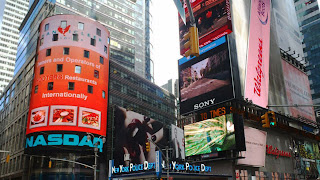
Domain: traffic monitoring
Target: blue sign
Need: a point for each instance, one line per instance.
(204, 49)
(158, 164)
(63, 140)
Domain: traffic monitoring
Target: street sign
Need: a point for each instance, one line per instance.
(158, 164)
(180, 10)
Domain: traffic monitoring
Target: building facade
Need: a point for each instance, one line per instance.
(129, 24)
(308, 15)
(11, 16)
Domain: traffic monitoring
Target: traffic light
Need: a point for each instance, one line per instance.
(193, 43)
(50, 164)
(272, 118)
(265, 120)
(148, 146)
(8, 158)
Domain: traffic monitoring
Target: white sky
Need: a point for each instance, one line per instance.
(165, 40)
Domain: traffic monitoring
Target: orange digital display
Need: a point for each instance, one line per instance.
(70, 85)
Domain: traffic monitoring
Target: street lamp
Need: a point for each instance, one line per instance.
(95, 146)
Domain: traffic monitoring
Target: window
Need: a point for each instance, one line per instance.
(66, 51)
(48, 52)
(46, 27)
(106, 49)
(59, 67)
(90, 89)
(41, 41)
(75, 37)
(55, 37)
(96, 74)
(63, 24)
(86, 54)
(93, 42)
(103, 94)
(101, 60)
(77, 69)
(36, 89)
(50, 85)
(42, 70)
(80, 26)
(71, 86)
(98, 32)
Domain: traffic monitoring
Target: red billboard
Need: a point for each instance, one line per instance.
(70, 85)
(213, 20)
(298, 91)
(257, 77)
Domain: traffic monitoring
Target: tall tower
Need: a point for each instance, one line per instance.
(128, 22)
(11, 15)
(308, 15)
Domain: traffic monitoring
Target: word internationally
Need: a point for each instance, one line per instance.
(275, 151)
(257, 84)
(65, 94)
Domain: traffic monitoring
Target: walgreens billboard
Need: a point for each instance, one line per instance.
(213, 20)
(257, 77)
(70, 86)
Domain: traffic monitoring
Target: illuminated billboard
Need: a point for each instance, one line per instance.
(297, 91)
(177, 139)
(132, 131)
(70, 85)
(211, 135)
(257, 73)
(205, 80)
(213, 20)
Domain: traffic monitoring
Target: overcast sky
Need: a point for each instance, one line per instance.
(165, 40)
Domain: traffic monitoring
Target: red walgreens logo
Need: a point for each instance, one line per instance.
(275, 151)
(63, 31)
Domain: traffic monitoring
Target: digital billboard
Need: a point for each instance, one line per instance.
(205, 80)
(211, 135)
(132, 131)
(255, 154)
(177, 139)
(213, 20)
(257, 73)
(297, 91)
(70, 85)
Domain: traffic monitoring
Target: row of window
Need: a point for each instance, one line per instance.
(77, 70)
(86, 54)
(63, 24)
(71, 86)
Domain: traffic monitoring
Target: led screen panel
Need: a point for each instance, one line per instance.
(70, 85)
(205, 80)
(132, 131)
(211, 135)
(213, 20)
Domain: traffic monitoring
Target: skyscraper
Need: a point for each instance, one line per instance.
(128, 21)
(308, 15)
(11, 15)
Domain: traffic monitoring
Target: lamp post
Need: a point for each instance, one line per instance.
(95, 148)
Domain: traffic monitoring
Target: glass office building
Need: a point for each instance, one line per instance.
(129, 24)
(308, 15)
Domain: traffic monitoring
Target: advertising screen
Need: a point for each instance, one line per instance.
(211, 135)
(213, 20)
(132, 131)
(177, 139)
(205, 80)
(255, 154)
(297, 91)
(257, 74)
(70, 85)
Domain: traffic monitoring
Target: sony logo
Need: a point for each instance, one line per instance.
(204, 104)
